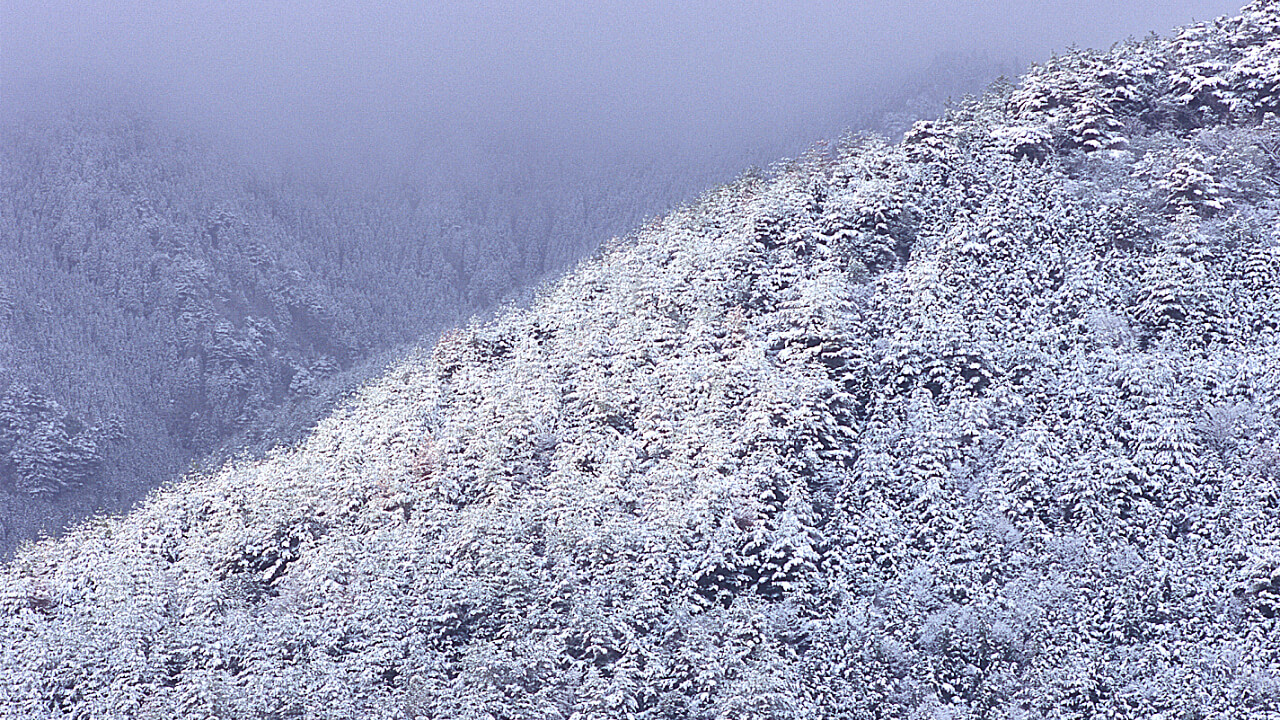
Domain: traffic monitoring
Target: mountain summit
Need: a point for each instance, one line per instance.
(983, 424)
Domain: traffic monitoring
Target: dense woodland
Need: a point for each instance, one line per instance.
(984, 423)
(165, 300)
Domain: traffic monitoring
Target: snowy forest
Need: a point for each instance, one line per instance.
(969, 416)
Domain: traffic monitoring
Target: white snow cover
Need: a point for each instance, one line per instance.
(981, 424)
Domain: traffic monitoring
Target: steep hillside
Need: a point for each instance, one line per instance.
(984, 424)
(166, 300)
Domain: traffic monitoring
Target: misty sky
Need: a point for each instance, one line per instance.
(554, 71)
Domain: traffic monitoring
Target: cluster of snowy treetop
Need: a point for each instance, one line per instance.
(984, 424)
(162, 299)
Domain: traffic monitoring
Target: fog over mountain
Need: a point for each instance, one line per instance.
(376, 84)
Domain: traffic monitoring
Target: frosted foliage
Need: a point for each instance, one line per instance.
(983, 425)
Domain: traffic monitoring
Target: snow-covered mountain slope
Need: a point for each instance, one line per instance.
(982, 424)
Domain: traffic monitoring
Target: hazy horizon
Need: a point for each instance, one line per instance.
(368, 84)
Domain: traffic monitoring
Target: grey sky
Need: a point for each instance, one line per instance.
(549, 68)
